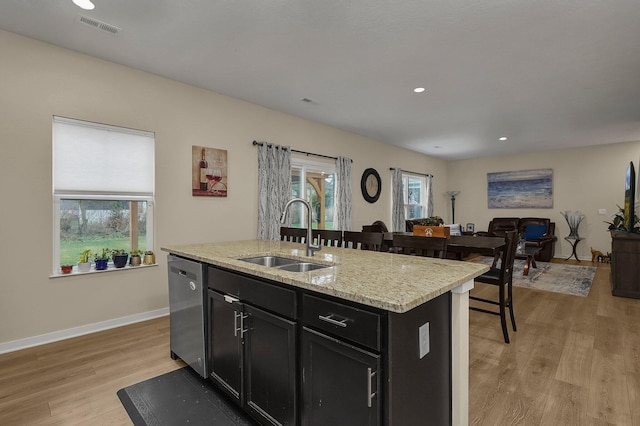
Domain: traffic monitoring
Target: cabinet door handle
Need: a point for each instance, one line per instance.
(370, 375)
(242, 329)
(237, 315)
(330, 320)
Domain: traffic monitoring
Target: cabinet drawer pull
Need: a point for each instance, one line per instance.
(230, 299)
(370, 375)
(330, 320)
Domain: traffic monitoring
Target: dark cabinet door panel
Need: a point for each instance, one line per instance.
(340, 382)
(225, 348)
(270, 369)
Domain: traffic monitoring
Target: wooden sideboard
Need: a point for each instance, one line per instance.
(625, 264)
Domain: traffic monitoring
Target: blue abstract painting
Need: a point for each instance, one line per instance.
(521, 189)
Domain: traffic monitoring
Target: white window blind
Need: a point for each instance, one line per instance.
(97, 158)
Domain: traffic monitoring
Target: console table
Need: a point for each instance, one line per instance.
(625, 264)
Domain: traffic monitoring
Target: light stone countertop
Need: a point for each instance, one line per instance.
(393, 282)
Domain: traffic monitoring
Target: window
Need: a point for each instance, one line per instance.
(103, 183)
(314, 182)
(415, 196)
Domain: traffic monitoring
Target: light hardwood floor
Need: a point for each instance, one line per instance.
(573, 361)
(74, 382)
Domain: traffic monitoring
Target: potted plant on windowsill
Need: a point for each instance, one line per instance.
(120, 258)
(134, 257)
(149, 258)
(84, 261)
(102, 259)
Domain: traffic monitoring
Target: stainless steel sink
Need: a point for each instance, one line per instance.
(270, 261)
(284, 263)
(302, 267)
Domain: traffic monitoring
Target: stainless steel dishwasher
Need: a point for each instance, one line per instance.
(187, 312)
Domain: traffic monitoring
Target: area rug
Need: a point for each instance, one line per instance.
(180, 397)
(555, 277)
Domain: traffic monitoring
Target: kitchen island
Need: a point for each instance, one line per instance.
(401, 298)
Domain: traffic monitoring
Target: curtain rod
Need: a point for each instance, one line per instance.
(303, 152)
(413, 173)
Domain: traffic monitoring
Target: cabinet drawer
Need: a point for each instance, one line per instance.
(342, 321)
(268, 296)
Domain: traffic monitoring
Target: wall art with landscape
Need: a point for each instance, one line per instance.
(520, 189)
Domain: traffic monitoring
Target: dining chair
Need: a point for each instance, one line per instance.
(294, 235)
(420, 246)
(364, 240)
(502, 277)
(328, 237)
(378, 226)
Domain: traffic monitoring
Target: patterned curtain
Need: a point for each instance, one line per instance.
(343, 194)
(429, 178)
(397, 213)
(274, 188)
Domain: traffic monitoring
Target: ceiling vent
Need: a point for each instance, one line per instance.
(94, 23)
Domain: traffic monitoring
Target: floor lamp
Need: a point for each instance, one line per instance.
(453, 194)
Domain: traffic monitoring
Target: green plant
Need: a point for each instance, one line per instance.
(104, 255)
(619, 223)
(136, 252)
(118, 252)
(432, 221)
(148, 252)
(85, 255)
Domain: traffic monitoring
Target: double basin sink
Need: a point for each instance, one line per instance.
(284, 263)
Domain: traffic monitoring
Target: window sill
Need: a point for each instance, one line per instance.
(110, 268)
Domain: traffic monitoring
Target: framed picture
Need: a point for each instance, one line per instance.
(520, 189)
(208, 172)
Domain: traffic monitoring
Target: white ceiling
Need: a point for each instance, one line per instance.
(546, 73)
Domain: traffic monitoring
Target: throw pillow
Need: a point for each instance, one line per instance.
(534, 232)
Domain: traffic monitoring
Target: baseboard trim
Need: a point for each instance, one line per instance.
(56, 336)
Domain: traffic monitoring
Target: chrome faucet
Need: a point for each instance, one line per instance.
(311, 248)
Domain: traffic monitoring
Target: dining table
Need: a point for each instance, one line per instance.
(462, 245)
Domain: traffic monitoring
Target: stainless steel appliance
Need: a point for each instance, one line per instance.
(187, 312)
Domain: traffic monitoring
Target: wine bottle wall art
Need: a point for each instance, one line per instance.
(209, 172)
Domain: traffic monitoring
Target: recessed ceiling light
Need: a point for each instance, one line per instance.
(419, 89)
(84, 4)
(504, 138)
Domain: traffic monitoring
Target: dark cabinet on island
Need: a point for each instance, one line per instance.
(363, 338)
(292, 357)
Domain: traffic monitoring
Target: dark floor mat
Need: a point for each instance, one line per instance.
(178, 398)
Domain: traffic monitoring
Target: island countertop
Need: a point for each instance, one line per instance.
(393, 282)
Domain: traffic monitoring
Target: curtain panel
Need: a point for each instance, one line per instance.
(274, 188)
(398, 210)
(343, 194)
(429, 178)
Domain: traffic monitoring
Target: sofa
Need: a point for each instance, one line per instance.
(541, 233)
